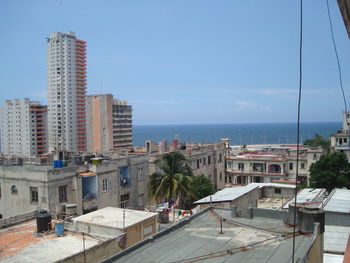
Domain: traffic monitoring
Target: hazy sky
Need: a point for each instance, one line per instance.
(191, 61)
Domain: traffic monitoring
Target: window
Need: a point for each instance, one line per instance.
(204, 161)
(290, 166)
(34, 196)
(124, 200)
(14, 190)
(240, 166)
(197, 163)
(277, 190)
(302, 165)
(220, 176)
(220, 158)
(62, 193)
(105, 185)
(209, 160)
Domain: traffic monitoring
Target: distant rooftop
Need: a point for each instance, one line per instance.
(231, 193)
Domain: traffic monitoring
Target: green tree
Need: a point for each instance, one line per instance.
(174, 179)
(330, 171)
(202, 187)
(318, 141)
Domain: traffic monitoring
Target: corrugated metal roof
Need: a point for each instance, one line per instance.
(336, 239)
(231, 193)
(338, 201)
(308, 195)
(202, 239)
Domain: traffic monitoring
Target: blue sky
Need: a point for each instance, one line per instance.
(186, 62)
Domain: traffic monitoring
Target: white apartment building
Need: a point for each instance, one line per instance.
(264, 167)
(66, 67)
(109, 123)
(340, 140)
(23, 128)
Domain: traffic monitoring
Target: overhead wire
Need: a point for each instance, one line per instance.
(298, 123)
(337, 57)
(339, 69)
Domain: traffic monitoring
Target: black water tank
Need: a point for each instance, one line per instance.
(43, 221)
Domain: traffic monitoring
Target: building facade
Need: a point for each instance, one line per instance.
(66, 67)
(205, 159)
(23, 128)
(263, 167)
(109, 123)
(340, 140)
(117, 183)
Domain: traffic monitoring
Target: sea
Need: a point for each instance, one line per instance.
(250, 133)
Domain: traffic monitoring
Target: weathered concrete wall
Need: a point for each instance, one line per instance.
(16, 219)
(337, 219)
(269, 213)
(270, 192)
(136, 233)
(96, 253)
(246, 200)
(315, 253)
(45, 178)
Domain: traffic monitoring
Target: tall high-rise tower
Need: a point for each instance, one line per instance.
(66, 66)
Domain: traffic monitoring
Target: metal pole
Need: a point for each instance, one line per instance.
(221, 227)
(84, 247)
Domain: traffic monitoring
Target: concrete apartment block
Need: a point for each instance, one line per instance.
(66, 68)
(109, 123)
(23, 128)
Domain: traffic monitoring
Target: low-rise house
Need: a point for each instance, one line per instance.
(263, 195)
(118, 183)
(112, 221)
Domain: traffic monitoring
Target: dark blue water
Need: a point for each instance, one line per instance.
(254, 133)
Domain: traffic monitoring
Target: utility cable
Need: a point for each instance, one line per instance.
(298, 122)
(339, 70)
(337, 57)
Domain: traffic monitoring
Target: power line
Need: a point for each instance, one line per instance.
(337, 56)
(298, 121)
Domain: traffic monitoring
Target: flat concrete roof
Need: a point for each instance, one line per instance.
(231, 193)
(113, 217)
(338, 201)
(201, 240)
(20, 244)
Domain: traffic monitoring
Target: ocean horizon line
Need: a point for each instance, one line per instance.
(240, 123)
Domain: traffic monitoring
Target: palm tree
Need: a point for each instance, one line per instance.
(174, 180)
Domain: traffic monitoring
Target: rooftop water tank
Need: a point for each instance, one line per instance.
(43, 221)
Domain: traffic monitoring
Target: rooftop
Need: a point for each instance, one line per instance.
(308, 195)
(113, 217)
(338, 201)
(231, 193)
(249, 240)
(20, 243)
